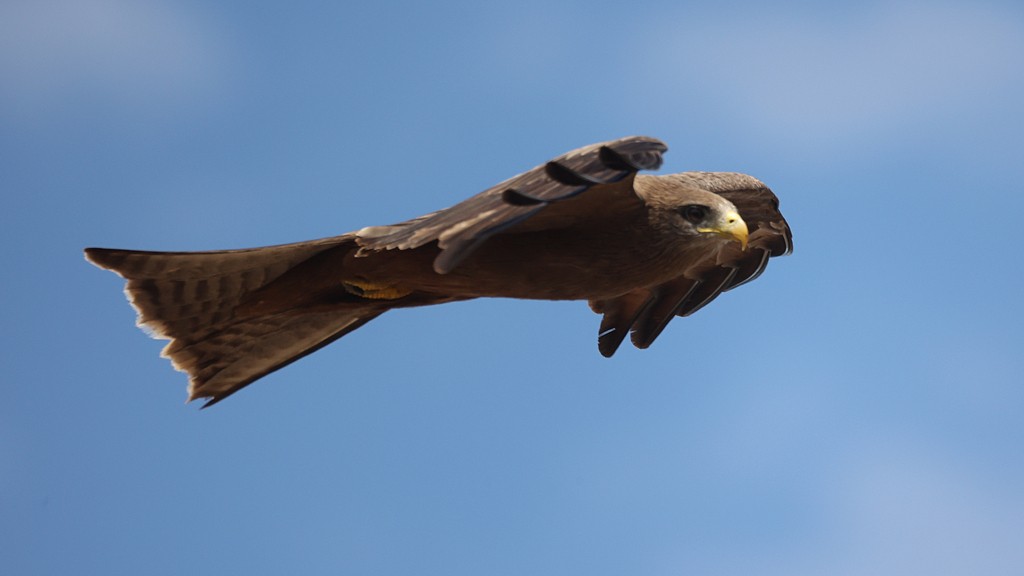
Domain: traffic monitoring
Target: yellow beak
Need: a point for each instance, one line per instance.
(731, 226)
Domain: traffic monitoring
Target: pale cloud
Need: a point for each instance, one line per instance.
(59, 54)
(874, 69)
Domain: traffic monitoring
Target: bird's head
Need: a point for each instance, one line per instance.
(691, 212)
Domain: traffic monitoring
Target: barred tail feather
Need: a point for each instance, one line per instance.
(228, 359)
(190, 298)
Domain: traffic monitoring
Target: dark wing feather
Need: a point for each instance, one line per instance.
(462, 228)
(619, 314)
(667, 298)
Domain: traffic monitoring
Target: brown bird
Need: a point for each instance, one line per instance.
(584, 226)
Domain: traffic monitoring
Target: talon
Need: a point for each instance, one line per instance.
(373, 291)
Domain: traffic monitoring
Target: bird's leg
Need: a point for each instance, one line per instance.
(373, 291)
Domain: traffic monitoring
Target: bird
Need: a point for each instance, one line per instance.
(640, 249)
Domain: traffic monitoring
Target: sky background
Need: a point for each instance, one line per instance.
(855, 411)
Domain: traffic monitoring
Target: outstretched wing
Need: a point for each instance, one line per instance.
(462, 228)
(646, 312)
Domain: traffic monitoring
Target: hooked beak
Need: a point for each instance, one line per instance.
(731, 226)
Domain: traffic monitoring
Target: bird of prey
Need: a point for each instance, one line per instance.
(640, 249)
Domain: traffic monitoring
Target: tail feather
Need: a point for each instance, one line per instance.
(180, 294)
(191, 298)
(227, 360)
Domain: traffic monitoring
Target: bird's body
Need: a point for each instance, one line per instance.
(641, 249)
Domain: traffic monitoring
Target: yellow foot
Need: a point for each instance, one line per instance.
(374, 291)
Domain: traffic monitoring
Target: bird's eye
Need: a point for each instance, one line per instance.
(694, 213)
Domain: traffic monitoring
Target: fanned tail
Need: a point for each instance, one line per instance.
(193, 298)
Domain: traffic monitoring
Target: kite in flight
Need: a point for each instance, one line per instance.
(585, 226)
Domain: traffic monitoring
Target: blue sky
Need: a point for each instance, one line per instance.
(855, 411)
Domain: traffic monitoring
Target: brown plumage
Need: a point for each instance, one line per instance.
(584, 226)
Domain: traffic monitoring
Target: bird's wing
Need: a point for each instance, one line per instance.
(460, 229)
(644, 313)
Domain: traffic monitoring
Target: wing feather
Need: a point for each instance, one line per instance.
(619, 315)
(668, 298)
(460, 229)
